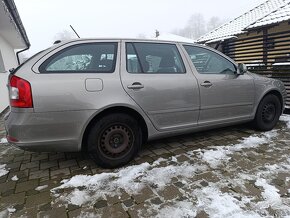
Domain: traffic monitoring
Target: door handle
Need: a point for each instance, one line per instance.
(206, 84)
(136, 85)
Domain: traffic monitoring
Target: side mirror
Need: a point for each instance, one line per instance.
(242, 69)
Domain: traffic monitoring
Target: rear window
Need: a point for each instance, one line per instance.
(83, 58)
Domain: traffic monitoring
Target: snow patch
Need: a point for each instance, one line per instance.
(4, 213)
(270, 194)
(88, 215)
(286, 118)
(39, 188)
(218, 204)
(78, 197)
(221, 153)
(14, 178)
(11, 209)
(3, 141)
(3, 171)
(7, 212)
(214, 157)
(130, 179)
(179, 209)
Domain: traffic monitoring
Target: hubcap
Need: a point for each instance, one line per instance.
(116, 141)
(269, 112)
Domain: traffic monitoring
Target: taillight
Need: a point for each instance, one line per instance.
(20, 93)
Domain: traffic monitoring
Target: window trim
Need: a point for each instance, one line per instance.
(215, 52)
(139, 62)
(43, 65)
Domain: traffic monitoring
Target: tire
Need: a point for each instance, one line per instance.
(268, 113)
(114, 140)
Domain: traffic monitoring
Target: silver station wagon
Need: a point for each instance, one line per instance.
(108, 96)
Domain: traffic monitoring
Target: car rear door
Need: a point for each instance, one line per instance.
(225, 96)
(161, 83)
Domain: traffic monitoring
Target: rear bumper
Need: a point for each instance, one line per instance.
(49, 131)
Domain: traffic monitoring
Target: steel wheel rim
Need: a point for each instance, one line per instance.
(116, 141)
(269, 112)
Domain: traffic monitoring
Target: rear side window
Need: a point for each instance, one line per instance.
(153, 58)
(83, 58)
(209, 62)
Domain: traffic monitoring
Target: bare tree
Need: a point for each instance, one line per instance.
(213, 23)
(198, 26)
(194, 28)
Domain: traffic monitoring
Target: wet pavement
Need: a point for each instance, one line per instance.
(230, 172)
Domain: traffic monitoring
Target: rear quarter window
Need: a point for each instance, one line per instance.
(82, 58)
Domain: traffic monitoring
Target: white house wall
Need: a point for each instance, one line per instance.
(10, 61)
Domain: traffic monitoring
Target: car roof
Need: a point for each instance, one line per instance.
(125, 39)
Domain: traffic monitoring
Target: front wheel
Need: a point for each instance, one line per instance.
(114, 140)
(268, 113)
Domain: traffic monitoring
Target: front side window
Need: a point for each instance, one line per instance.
(153, 58)
(209, 62)
(84, 58)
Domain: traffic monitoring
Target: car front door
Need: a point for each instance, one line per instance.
(161, 83)
(225, 96)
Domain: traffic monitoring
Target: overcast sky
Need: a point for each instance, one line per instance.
(43, 19)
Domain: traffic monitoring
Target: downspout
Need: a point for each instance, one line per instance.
(14, 13)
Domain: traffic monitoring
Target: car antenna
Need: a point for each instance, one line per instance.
(74, 31)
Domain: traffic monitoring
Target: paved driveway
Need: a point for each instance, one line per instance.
(229, 172)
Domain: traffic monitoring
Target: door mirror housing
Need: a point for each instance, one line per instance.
(242, 69)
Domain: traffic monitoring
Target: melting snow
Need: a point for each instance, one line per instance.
(11, 209)
(286, 119)
(218, 204)
(86, 189)
(7, 212)
(270, 194)
(3, 141)
(131, 179)
(39, 188)
(179, 209)
(14, 178)
(3, 171)
(221, 153)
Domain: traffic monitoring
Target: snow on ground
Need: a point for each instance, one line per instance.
(3, 170)
(178, 209)
(3, 141)
(217, 155)
(286, 118)
(7, 212)
(218, 204)
(217, 198)
(14, 178)
(131, 179)
(39, 188)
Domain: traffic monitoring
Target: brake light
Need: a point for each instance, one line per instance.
(20, 93)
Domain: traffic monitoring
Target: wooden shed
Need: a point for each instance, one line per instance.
(260, 38)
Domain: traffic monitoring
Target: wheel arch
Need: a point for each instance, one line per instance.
(273, 92)
(115, 109)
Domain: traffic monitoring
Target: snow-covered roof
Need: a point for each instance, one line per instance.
(173, 37)
(281, 14)
(271, 11)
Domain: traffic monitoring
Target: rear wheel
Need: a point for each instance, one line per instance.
(268, 113)
(114, 140)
